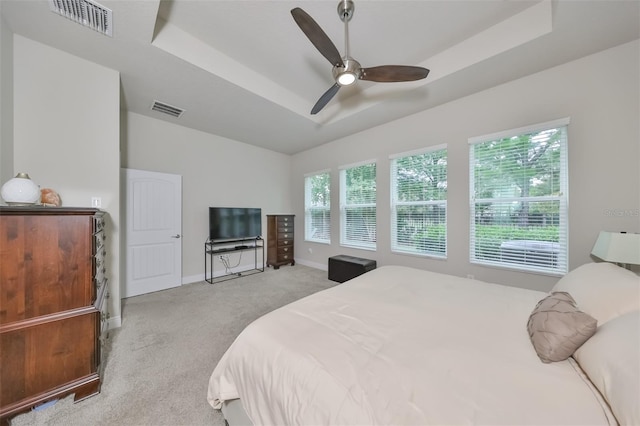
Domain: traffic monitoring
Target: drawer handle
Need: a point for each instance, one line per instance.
(286, 236)
(286, 257)
(286, 219)
(286, 249)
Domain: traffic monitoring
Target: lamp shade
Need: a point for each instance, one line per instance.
(618, 247)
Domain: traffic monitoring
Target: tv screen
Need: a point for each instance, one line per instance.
(234, 223)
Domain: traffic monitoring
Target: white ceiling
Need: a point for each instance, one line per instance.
(244, 70)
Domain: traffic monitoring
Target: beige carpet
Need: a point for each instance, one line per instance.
(159, 362)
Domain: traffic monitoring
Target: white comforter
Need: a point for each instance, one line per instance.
(402, 346)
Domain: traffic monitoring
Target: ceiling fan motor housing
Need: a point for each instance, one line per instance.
(342, 75)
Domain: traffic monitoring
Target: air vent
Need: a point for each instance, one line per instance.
(85, 12)
(167, 109)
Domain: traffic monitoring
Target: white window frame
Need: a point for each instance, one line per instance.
(345, 241)
(309, 209)
(398, 246)
(549, 258)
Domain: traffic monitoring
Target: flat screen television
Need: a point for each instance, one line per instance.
(234, 223)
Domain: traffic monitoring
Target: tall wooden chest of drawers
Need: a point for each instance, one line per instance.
(53, 310)
(280, 240)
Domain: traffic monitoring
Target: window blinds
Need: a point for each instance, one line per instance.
(518, 187)
(358, 206)
(317, 207)
(419, 203)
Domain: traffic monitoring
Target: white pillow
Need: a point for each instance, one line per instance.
(602, 290)
(611, 359)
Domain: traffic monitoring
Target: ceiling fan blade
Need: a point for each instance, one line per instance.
(319, 38)
(325, 98)
(393, 73)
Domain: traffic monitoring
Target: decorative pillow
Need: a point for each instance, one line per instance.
(611, 359)
(557, 328)
(602, 290)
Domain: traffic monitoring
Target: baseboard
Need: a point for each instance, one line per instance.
(114, 322)
(192, 279)
(322, 267)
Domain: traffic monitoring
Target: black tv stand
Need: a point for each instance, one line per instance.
(213, 248)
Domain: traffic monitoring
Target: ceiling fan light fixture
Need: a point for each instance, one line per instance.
(346, 78)
(348, 74)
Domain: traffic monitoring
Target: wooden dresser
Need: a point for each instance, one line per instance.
(280, 240)
(53, 310)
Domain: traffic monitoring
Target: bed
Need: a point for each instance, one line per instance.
(404, 346)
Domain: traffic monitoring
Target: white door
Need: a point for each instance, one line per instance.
(154, 226)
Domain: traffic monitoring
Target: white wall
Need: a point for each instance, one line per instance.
(215, 172)
(600, 94)
(69, 141)
(6, 102)
(66, 130)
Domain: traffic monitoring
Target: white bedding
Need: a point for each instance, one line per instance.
(402, 346)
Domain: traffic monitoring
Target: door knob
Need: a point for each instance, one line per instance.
(176, 236)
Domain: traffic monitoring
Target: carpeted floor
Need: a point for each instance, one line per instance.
(159, 362)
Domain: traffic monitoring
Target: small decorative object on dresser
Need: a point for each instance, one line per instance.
(53, 294)
(49, 197)
(20, 191)
(280, 240)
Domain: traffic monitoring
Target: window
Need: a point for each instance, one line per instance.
(358, 206)
(518, 187)
(419, 202)
(317, 207)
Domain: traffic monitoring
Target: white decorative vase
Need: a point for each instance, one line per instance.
(20, 191)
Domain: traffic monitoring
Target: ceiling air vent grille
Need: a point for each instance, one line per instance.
(166, 109)
(85, 12)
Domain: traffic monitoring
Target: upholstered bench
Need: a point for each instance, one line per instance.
(342, 268)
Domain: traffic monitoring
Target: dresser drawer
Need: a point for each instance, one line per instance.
(46, 263)
(285, 256)
(282, 236)
(285, 250)
(285, 229)
(44, 356)
(283, 243)
(283, 220)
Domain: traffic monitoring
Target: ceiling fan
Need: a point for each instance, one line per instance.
(347, 70)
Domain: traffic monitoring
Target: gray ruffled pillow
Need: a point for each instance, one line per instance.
(557, 328)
